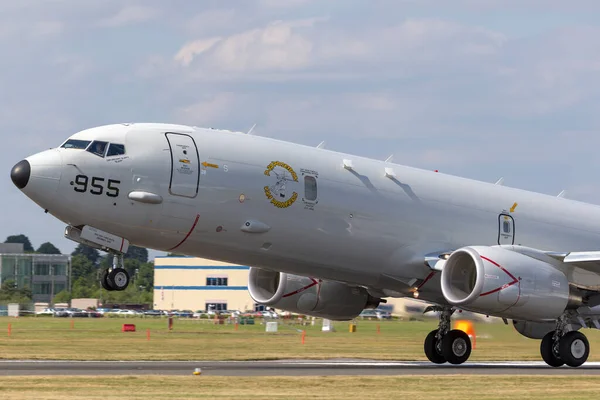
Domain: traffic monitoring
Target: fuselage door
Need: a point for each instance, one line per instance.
(506, 229)
(185, 165)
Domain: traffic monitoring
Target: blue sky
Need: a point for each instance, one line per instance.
(476, 88)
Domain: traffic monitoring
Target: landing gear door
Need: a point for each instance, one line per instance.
(506, 229)
(185, 165)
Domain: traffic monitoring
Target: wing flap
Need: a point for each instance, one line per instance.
(588, 260)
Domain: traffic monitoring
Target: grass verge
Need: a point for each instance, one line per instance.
(102, 339)
(481, 387)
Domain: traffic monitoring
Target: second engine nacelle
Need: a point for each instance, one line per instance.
(534, 330)
(504, 283)
(300, 294)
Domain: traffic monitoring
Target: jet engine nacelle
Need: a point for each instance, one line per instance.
(300, 294)
(500, 282)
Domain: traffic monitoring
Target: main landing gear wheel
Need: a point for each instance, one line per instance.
(574, 349)
(456, 346)
(433, 348)
(445, 345)
(550, 352)
(118, 279)
(561, 346)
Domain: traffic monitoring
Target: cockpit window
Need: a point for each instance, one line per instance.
(98, 148)
(115, 150)
(75, 144)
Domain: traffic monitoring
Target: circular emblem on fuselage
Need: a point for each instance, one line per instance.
(280, 193)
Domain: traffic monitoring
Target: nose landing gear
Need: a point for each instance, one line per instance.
(116, 277)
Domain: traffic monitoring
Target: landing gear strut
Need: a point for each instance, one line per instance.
(564, 347)
(446, 345)
(116, 277)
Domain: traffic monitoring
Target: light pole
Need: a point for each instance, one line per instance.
(51, 285)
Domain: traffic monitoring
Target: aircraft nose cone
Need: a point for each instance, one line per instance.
(20, 174)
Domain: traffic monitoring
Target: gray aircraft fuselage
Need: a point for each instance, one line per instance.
(308, 211)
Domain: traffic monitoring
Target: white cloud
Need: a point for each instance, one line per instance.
(315, 45)
(130, 15)
(192, 49)
(278, 46)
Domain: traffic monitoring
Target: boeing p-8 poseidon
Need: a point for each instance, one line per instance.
(329, 234)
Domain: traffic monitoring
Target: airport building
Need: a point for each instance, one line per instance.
(45, 274)
(190, 283)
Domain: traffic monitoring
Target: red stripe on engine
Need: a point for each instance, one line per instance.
(314, 282)
(514, 280)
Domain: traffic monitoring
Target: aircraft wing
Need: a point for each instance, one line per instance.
(588, 260)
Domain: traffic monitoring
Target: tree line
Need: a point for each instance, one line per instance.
(87, 265)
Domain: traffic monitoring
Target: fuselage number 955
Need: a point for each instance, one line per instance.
(96, 185)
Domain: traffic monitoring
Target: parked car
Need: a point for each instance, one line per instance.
(375, 314)
(94, 314)
(61, 312)
(46, 311)
(128, 313)
(185, 314)
(269, 314)
(76, 313)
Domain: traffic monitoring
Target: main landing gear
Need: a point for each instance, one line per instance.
(564, 347)
(446, 345)
(116, 277)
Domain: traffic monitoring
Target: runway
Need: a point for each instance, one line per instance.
(285, 368)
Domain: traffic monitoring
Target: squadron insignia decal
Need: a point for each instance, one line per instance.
(278, 193)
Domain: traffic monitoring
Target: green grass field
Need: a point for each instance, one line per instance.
(448, 387)
(102, 339)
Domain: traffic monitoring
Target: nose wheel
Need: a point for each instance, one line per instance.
(115, 278)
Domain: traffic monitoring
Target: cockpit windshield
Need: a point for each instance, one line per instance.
(98, 148)
(115, 150)
(76, 144)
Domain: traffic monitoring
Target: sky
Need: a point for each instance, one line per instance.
(478, 88)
